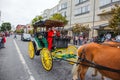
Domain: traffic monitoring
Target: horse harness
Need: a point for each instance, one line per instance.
(88, 63)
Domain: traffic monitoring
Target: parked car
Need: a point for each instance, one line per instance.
(25, 37)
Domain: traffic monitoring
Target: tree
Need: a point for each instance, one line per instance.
(37, 18)
(114, 22)
(6, 26)
(20, 31)
(30, 31)
(59, 17)
(78, 28)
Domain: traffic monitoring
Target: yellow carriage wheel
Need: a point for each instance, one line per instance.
(31, 50)
(46, 59)
(71, 49)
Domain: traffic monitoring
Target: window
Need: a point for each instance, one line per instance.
(82, 10)
(104, 2)
(64, 14)
(115, 0)
(76, 1)
(55, 10)
(78, 11)
(80, 1)
(84, 0)
(59, 7)
(63, 6)
(51, 12)
(87, 8)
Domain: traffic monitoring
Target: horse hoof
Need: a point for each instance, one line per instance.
(75, 79)
(93, 75)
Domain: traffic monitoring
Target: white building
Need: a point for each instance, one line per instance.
(95, 13)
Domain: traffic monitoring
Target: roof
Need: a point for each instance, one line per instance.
(49, 23)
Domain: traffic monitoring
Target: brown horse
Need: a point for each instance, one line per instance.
(108, 43)
(99, 54)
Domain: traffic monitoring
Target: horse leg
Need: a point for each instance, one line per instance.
(95, 72)
(75, 72)
(83, 72)
(102, 77)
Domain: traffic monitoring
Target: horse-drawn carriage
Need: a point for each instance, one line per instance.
(39, 45)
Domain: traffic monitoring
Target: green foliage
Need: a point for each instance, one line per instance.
(59, 17)
(37, 18)
(114, 23)
(6, 26)
(80, 28)
(30, 31)
(19, 31)
(22, 30)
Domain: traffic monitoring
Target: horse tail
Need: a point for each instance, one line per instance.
(75, 71)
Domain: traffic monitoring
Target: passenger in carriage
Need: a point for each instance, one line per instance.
(58, 33)
(51, 33)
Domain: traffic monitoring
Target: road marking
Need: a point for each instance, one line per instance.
(23, 61)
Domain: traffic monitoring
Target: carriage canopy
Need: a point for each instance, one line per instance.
(49, 23)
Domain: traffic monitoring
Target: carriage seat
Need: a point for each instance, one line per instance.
(41, 40)
(60, 42)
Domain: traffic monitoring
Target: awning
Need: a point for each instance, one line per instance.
(101, 26)
(104, 13)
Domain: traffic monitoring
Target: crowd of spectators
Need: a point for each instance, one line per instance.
(80, 40)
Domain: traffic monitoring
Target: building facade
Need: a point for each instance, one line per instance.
(95, 13)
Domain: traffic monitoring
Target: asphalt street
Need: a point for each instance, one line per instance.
(15, 64)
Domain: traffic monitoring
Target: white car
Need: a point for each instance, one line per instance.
(25, 37)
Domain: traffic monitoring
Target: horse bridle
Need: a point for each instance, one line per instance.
(82, 58)
(82, 55)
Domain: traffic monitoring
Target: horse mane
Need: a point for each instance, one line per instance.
(96, 46)
(111, 44)
(93, 44)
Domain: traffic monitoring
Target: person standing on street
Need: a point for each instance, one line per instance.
(0, 40)
(108, 37)
(15, 36)
(3, 41)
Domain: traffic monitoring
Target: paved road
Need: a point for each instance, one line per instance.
(15, 64)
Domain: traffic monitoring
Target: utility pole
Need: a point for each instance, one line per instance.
(93, 18)
(0, 16)
(70, 12)
(0, 19)
(70, 31)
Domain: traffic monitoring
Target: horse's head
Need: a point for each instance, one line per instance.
(80, 50)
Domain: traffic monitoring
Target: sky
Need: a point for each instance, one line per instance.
(23, 11)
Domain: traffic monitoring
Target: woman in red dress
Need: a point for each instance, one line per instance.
(51, 33)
